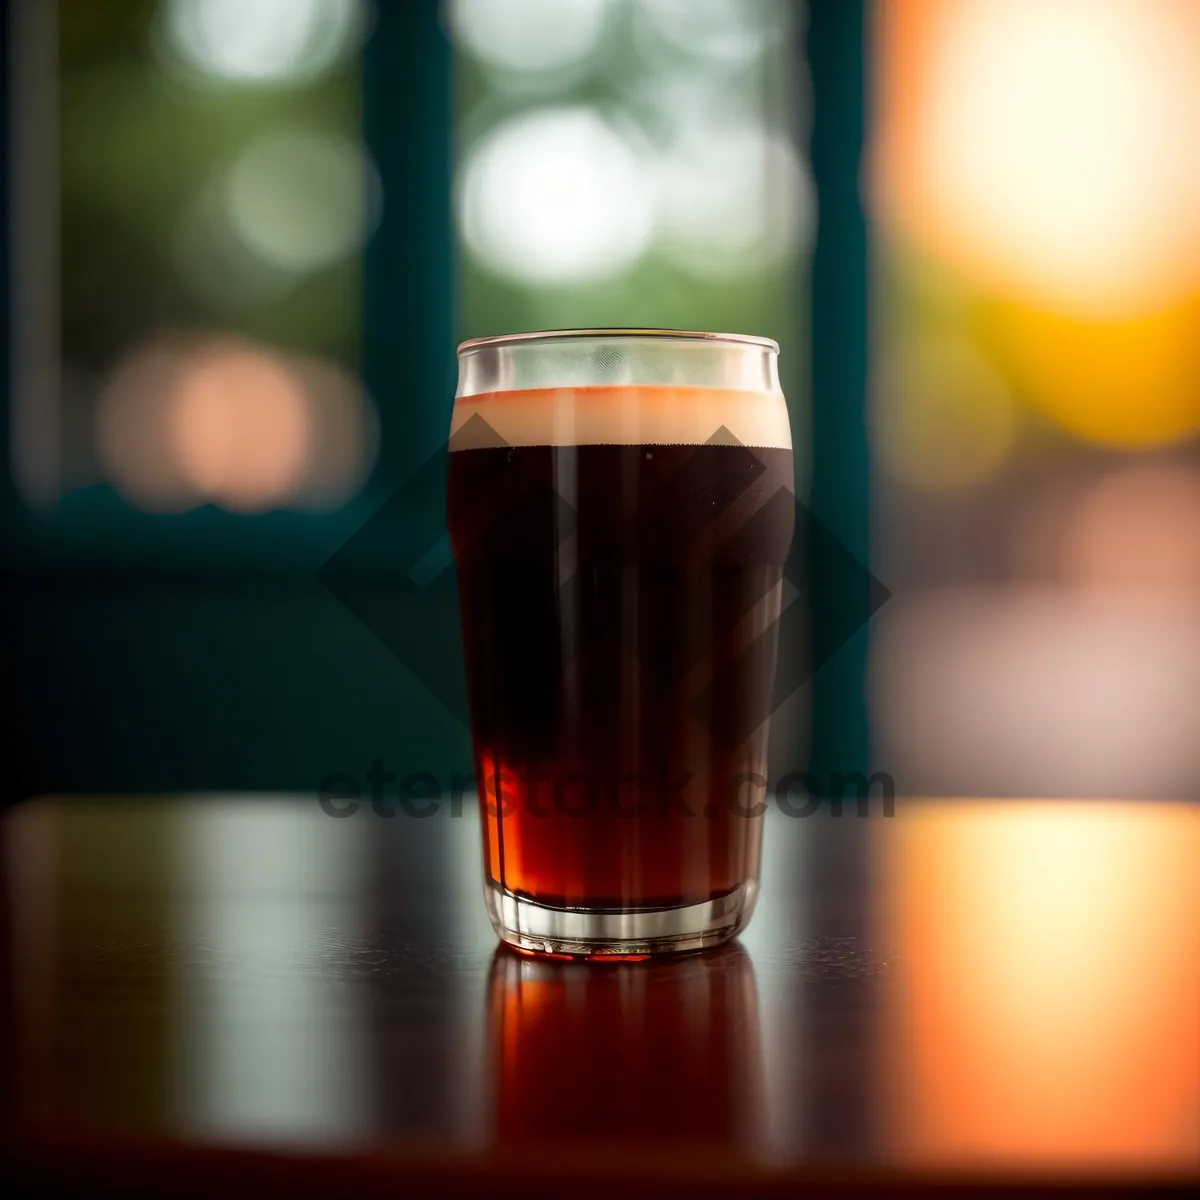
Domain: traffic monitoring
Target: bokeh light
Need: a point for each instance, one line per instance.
(529, 35)
(300, 201)
(197, 419)
(942, 416)
(1048, 149)
(676, 105)
(717, 32)
(260, 41)
(627, 160)
(559, 195)
(1132, 383)
(240, 428)
(733, 200)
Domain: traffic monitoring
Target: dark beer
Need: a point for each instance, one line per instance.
(619, 602)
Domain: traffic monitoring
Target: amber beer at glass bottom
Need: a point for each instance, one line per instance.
(621, 507)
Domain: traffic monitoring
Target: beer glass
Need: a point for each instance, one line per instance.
(620, 506)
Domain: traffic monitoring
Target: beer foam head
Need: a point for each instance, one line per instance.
(621, 416)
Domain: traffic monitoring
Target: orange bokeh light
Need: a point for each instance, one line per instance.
(1049, 150)
(196, 418)
(1046, 158)
(241, 427)
(1130, 383)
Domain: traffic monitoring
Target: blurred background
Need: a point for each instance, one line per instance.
(191, 194)
(242, 240)
(195, 249)
(1034, 184)
(245, 235)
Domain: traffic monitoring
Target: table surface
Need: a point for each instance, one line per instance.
(237, 990)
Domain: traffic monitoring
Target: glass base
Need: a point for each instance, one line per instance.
(527, 925)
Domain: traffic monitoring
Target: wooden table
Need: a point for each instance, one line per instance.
(230, 994)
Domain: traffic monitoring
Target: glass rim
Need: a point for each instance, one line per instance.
(618, 333)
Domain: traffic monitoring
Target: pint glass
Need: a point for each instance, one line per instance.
(620, 506)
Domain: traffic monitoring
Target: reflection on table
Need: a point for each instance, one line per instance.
(1047, 1007)
(667, 1053)
(1007, 985)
